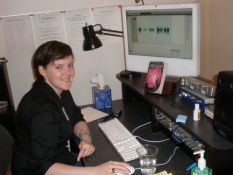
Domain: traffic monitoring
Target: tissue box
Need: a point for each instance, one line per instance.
(102, 98)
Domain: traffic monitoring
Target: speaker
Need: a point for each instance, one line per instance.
(223, 113)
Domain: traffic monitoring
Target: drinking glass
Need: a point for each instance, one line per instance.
(148, 157)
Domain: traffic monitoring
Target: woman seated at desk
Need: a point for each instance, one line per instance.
(47, 118)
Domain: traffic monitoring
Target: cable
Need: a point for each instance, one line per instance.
(174, 151)
(153, 141)
(143, 124)
(140, 126)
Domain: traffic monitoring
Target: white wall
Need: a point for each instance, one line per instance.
(217, 37)
(108, 60)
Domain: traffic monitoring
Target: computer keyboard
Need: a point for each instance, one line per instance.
(121, 139)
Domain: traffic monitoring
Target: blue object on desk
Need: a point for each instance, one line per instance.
(181, 119)
(191, 166)
(102, 98)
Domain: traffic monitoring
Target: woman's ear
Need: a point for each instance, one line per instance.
(41, 70)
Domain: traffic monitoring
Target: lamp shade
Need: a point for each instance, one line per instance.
(91, 41)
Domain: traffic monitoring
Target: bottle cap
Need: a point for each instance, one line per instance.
(197, 106)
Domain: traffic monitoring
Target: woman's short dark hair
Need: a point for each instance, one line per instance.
(49, 52)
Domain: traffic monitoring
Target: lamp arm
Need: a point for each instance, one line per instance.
(114, 31)
(110, 32)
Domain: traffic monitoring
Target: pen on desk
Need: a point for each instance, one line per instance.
(191, 166)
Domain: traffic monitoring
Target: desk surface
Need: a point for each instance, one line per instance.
(133, 115)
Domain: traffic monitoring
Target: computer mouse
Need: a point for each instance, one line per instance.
(131, 169)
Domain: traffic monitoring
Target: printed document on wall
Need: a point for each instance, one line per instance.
(18, 36)
(2, 40)
(48, 26)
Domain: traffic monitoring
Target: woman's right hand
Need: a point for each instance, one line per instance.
(111, 168)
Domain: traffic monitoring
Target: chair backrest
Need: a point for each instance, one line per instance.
(6, 145)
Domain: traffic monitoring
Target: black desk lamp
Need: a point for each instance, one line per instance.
(91, 41)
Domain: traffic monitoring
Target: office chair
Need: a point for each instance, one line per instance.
(6, 145)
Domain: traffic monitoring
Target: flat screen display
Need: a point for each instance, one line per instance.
(167, 33)
(162, 33)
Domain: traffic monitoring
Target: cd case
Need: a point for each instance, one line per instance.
(155, 77)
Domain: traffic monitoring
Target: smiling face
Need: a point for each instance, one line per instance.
(59, 74)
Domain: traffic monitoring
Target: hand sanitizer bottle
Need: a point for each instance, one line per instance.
(196, 112)
(201, 168)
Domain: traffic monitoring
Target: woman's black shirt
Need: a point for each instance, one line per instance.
(42, 130)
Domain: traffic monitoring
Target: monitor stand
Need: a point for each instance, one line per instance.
(129, 74)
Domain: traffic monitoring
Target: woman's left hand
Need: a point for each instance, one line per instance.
(86, 149)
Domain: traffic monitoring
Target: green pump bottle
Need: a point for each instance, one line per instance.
(201, 168)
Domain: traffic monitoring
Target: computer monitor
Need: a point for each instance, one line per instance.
(168, 33)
